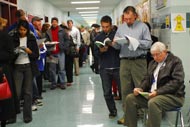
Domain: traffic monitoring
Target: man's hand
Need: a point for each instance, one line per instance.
(136, 91)
(153, 94)
(103, 49)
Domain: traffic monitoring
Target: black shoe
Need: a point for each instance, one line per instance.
(113, 114)
(53, 87)
(97, 72)
(62, 87)
(43, 91)
(11, 121)
(27, 120)
(92, 68)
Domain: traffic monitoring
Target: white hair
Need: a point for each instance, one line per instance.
(158, 46)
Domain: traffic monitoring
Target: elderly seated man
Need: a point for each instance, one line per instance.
(161, 89)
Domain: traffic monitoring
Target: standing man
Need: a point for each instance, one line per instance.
(75, 34)
(95, 32)
(37, 23)
(56, 33)
(109, 64)
(133, 65)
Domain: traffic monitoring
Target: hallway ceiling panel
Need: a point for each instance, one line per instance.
(105, 8)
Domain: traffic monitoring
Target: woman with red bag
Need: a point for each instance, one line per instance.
(7, 106)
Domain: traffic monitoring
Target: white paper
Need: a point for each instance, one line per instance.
(51, 43)
(40, 41)
(121, 41)
(133, 43)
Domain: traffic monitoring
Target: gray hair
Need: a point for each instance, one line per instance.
(158, 46)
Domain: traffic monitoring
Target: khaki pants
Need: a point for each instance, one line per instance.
(131, 74)
(156, 106)
(76, 65)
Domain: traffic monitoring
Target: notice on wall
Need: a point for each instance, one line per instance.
(178, 22)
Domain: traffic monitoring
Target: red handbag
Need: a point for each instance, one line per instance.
(5, 91)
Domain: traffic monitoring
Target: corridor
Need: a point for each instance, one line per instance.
(80, 105)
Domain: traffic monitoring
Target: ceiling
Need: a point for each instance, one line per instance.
(105, 8)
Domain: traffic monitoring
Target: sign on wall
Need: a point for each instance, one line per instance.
(178, 22)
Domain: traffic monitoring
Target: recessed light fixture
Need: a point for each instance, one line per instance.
(87, 8)
(85, 2)
(90, 17)
(87, 12)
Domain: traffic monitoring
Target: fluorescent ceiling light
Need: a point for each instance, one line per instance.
(86, 8)
(89, 17)
(87, 12)
(85, 2)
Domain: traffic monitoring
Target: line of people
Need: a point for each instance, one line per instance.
(26, 61)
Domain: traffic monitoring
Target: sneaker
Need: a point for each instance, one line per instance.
(34, 108)
(121, 121)
(38, 102)
(113, 114)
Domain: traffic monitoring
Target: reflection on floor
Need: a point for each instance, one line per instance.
(80, 105)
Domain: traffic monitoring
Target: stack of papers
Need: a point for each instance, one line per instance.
(133, 42)
(40, 41)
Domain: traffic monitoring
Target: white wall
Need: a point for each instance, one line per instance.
(41, 8)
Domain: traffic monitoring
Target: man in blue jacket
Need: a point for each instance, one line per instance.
(109, 63)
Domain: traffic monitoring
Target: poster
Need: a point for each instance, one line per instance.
(178, 22)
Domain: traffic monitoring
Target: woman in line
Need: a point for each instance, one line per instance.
(25, 65)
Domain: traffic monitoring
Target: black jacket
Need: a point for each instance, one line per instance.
(8, 107)
(170, 78)
(32, 45)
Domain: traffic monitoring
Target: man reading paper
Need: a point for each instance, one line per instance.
(133, 64)
(165, 83)
(109, 64)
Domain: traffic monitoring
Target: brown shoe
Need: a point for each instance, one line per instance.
(117, 98)
(69, 84)
(121, 121)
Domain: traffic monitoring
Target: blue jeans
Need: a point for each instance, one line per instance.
(61, 69)
(107, 75)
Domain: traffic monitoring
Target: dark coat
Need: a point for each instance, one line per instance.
(170, 78)
(32, 45)
(9, 107)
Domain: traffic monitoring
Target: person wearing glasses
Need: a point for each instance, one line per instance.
(133, 65)
(162, 88)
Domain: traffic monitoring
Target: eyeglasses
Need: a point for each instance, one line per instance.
(156, 54)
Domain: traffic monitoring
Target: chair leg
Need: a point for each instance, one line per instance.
(176, 121)
(181, 119)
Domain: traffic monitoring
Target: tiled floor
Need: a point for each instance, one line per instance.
(80, 105)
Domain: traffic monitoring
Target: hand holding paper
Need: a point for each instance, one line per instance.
(133, 43)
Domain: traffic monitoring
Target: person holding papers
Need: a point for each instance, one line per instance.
(57, 56)
(165, 83)
(133, 50)
(109, 63)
